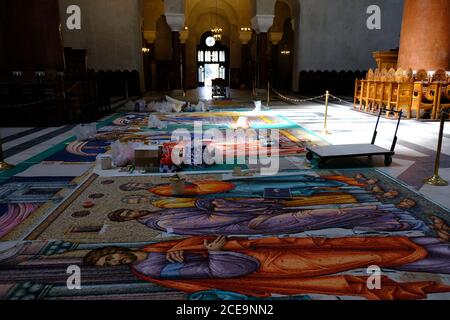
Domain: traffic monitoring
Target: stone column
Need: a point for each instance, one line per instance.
(275, 38)
(176, 81)
(262, 23)
(425, 37)
(245, 78)
(176, 24)
(149, 61)
(262, 60)
(183, 38)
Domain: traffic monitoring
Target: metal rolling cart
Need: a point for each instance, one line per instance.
(219, 88)
(326, 153)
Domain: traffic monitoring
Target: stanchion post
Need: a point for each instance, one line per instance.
(436, 180)
(126, 89)
(268, 93)
(3, 165)
(325, 126)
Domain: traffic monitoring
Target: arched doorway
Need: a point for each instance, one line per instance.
(212, 60)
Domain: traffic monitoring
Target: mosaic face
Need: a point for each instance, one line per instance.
(136, 199)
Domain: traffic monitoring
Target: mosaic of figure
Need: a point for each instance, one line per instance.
(287, 266)
(257, 216)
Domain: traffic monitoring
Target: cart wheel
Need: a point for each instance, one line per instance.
(310, 156)
(322, 164)
(388, 160)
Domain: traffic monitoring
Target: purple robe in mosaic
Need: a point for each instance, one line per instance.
(227, 264)
(260, 217)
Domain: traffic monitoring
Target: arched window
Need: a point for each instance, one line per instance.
(212, 60)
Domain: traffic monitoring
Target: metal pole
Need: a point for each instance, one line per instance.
(436, 180)
(3, 165)
(268, 93)
(325, 129)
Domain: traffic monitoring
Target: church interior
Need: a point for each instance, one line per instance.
(224, 150)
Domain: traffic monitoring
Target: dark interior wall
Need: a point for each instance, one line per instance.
(284, 64)
(333, 34)
(30, 38)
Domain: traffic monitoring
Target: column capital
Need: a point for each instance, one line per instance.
(245, 36)
(175, 21)
(174, 6)
(262, 22)
(275, 37)
(150, 36)
(184, 35)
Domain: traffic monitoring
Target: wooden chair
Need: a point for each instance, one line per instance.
(359, 88)
(389, 86)
(52, 88)
(399, 75)
(380, 81)
(425, 97)
(440, 76)
(372, 91)
(408, 75)
(422, 76)
(377, 79)
(391, 74)
(367, 89)
(401, 98)
(443, 99)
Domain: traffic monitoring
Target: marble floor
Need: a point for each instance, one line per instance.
(415, 151)
(413, 162)
(59, 209)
